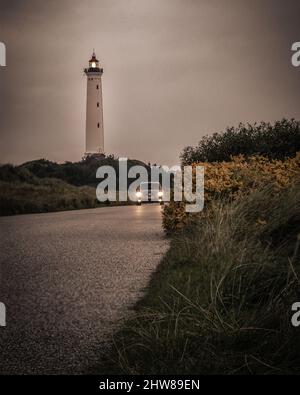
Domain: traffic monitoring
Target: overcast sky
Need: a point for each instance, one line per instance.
(174, 70)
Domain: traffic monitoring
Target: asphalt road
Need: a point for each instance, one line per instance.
(67, 279)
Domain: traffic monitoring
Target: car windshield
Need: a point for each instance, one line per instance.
(149, 186)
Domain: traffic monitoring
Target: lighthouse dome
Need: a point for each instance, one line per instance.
(93, 65)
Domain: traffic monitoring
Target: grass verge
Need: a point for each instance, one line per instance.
(47, 195)
(220, 301)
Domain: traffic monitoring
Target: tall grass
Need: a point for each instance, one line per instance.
(220, 302)
(44, 195)
(23, 192)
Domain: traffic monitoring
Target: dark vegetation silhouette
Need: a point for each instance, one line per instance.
(275, 141)
(42, 185)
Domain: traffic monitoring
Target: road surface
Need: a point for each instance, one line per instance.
(67, 279)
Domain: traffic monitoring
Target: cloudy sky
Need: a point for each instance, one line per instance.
(174, 70)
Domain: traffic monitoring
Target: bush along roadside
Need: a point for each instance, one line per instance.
(47, 195)
(42, 186)
(279, 140)
(220, 301)
(228, 180)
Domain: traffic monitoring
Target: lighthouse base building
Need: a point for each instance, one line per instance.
(94, 108)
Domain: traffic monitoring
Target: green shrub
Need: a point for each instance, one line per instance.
(75, 173)
(277, 141)
(10, 173)
(42, 185)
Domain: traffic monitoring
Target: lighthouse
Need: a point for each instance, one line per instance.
(94, 108)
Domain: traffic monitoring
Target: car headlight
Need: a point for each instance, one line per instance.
(138, 194)
(160, 194)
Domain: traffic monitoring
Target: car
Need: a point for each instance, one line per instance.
(149, 192)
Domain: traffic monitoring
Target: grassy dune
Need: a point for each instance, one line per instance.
(44, 195)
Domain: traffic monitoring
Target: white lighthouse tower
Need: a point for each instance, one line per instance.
(94, 108)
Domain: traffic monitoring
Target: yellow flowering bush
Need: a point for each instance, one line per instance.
(228, 180)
